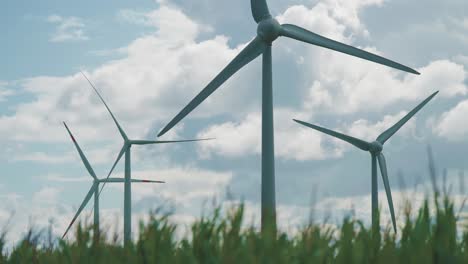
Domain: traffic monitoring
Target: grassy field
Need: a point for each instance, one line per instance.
(434, 233)
(433, 236)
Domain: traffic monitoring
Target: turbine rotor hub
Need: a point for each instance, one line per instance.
(268, 29)
(376, 147)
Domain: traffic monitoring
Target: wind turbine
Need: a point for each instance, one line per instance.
(268, 30)
(94, 188)
(126, 149)
(375, 148)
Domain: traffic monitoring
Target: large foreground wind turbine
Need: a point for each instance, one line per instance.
(375, 148)
(94, 188)
(126, 149)
(268, 30)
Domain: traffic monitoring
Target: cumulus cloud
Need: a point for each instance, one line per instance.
(337, 87)
(244, 137)
(340, 15)
(159, 85)
(452, 124)
(67, 29)
(163, 68)
(169, 23)
(343, 90)
(293, 141)
(183, 184)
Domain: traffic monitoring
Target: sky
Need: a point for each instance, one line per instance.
(150, 58)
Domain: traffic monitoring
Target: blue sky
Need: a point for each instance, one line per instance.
(149, 58)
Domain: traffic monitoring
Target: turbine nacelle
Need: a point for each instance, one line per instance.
(269, 30)
(375, 147)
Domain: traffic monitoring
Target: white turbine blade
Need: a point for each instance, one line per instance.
(301, 34)
(108, 109)
(259, 10)
(389, 132)
(82, 155)
(149, 142)
(351, 140)
(82, 206)
(120, 180)
(248, 54)
(122, 151)
(383, 170)
(146, 181)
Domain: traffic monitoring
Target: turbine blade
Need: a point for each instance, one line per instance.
(122, 151)
(259, 10)
(301, 34)
(108, 109)
(82, 206)
(82, 155)
(148, 142)
(146, 181)
(383, 170)
(248, 54)
(389, 132)
(351, 140)
(120, 180)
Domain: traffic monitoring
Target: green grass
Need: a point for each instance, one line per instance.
(430, 237)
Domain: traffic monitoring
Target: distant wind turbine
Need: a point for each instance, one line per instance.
(126, 149)
(268, 30)
(375, 148)
(94, 188)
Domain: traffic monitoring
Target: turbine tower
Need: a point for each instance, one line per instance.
(126, 149)
(94, 188)
(268, 30)
(375, 148)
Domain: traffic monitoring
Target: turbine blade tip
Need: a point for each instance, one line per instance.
(161, 133)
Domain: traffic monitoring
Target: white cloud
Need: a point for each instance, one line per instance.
(293, 141)
(165, 70)
(183, 185)
(233, 139)
(342, 89)
(170, 23)
(344, 84)
(163, 88)
(452, 124)
(330, 17)
(244, 137)
(68, 29)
